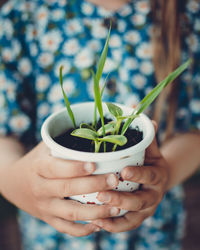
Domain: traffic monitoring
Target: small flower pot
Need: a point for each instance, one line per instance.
(108, 162)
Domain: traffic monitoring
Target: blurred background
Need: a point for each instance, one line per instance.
(10, 235)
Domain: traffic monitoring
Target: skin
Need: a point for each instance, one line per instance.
(37, 182)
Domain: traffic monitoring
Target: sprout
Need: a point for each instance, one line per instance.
(110, 132)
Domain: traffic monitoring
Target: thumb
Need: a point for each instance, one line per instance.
(153, 150)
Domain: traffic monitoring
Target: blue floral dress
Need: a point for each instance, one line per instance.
(36, 37)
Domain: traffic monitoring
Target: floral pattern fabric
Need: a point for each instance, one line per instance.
(36, 37)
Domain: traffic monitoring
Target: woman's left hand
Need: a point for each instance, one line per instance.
(141, 203)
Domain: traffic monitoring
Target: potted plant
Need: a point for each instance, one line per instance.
(117, 134)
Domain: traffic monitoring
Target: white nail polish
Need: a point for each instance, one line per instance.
(112, 181)
(114, 211)
(89, 167)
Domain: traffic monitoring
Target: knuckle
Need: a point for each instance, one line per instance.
(140, 204)
(152, 176)
(65, 189)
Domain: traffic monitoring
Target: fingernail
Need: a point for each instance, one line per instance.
(112, 180)
(104, 197)
(129, 175)
(89, 167)
(114, 211)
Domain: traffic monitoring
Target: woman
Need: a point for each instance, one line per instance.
(149, 39)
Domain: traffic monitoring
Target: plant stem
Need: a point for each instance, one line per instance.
(97, 146)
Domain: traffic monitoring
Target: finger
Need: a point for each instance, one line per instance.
(75, 211)
(149, 175)
(153, 150)
(79, 185)
(53, 168)
(129, 221)
(72, 228)
(135, 201)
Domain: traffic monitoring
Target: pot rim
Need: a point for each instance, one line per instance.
(97, 157)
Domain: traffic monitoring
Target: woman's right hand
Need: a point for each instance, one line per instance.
(38, 183)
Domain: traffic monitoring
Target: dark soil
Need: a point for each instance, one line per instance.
(133, 136)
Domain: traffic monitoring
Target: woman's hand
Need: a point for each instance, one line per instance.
(38, 183)
(142, 203)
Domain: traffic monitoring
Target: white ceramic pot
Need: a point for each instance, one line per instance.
(109, 162)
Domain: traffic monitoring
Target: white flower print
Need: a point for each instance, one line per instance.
(104, 12)
(7, 7)
(62, 2)
(25, 66)
(142, 6)
(51, 41)
(8, 27)
(31, 32)
(87, 8)
(57, 107)
(66, 67)
(33, 49)
(122, 26)
(132, 37)
(73, 27)
(123, 74)
(125, 10)
(117, 55)
(197, 25)
(27, 6)
(132, 100)
(57, 14)
(42, 15)
(55, 93)
(130, 63)
(16, 46)
(138, 81)
(94, 45)
(146, 67)
(51, 2)
(3, 116)
(84, 59)
(144, 51)
(98, 30)
(138, 19)
(71, 47)
(43, 110)
(193, 6)
(2, 81)
(2, 100)
(115, 41)
(42, 82)
(1, 29)
(7, 54)
(193, 42)
(19, 123)
(11, 90)
(109, 66)
(45, 59)
(195, 106)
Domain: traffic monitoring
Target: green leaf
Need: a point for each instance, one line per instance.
(109, 128)
(104, 85)
(85, 125)
(115, 139)
(67, 104)
(148, 99)
(97, 95)
(85, 133)
(103, 58)
(114, 109)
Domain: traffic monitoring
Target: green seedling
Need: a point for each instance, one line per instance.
(111, 132)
